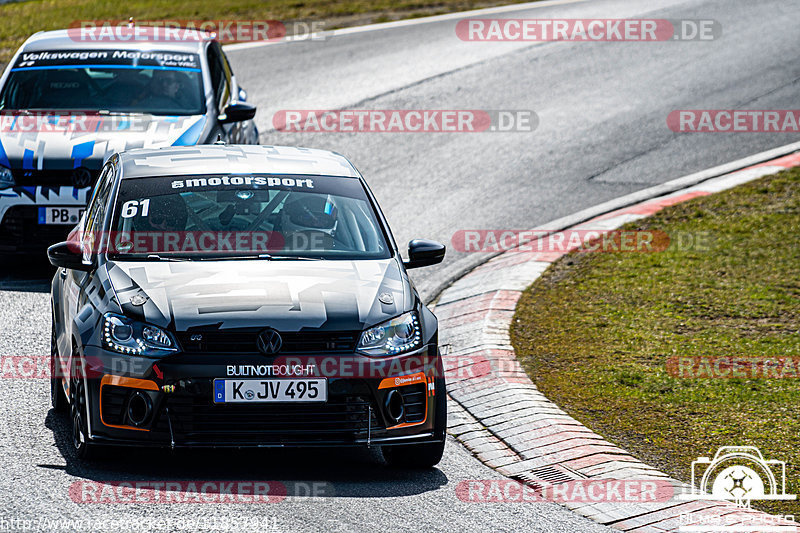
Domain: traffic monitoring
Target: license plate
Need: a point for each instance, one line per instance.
(60, 215)
(270, 390)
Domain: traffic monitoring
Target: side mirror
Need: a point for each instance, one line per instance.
(66, 255)
(237, 113)
(424, 253)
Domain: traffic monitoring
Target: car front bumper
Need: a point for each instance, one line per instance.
(180, 409)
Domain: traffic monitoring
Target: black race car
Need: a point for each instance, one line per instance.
(243, 296)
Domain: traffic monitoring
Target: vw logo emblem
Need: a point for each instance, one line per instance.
(269, 341)
(81, 178)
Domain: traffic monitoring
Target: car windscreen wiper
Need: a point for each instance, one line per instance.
(293, 258)
(146, 257)
(229, 257)
(268, 257)
(165, 258)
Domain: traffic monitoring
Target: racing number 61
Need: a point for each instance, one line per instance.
(131, 208)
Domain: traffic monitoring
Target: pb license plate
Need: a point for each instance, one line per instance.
(60, 215)
(270, 390)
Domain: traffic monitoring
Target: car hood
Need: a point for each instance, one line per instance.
(33, 143)
(285, 295)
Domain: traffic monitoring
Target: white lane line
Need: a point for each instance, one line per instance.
(403, 23)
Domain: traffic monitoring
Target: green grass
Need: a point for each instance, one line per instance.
(595, 331)
(22, 19)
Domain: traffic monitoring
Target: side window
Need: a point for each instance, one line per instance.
(220, 73)
(227, 65)
(96, 211)
(10, 94)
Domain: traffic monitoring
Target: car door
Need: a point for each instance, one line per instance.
(90, 236)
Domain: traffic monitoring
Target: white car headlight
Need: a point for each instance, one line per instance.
(6, 178)
(396, 336)
(123, 335)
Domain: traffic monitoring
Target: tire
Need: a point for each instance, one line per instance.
(57, 397)
(440, 427)
(425, 455)
(79, 412)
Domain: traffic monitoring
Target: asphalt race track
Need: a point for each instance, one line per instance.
(602, 133)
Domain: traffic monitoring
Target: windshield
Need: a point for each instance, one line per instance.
(121, 81)
(244, 216)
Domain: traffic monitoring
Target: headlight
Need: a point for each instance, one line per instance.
(398, 335)
(6, 178)
(123, 335)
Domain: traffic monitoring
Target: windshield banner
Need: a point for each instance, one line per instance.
(107, 59)
(143, 188)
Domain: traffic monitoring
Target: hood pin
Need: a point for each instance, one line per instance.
(386, 298)
(138, 299)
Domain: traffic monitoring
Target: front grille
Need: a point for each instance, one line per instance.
(54, 178)
(339, 420)
(414, 400)
(244, 341)
(21, 228)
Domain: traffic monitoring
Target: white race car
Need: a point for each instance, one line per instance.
(68, 102)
